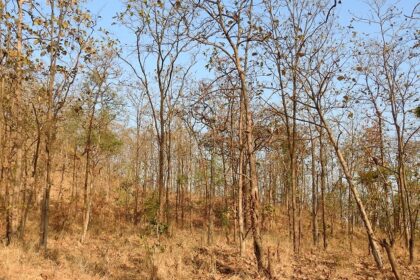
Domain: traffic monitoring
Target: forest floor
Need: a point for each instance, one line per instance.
(124, 254)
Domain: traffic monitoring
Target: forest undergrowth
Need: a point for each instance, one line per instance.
(120, 250)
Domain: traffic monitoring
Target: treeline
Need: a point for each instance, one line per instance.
(297, 113)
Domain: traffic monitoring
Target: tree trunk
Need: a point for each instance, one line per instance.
(254, 201)
(86, 193)
(391, 258)
(241, 233)
(209, 210)
(168, 173)
(371, 235)
(161, 172)
(323, 175)
(45, 204)
(8, 205)
(212, 189)
(314, 195)
(50, 122)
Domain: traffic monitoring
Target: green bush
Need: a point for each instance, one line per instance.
(151, 212)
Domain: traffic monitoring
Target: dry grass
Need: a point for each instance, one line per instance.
(128, 255)
(118, 250)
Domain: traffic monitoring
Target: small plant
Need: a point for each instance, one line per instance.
(151, 209)
(225, 217)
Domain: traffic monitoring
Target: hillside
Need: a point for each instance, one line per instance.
(209, 139)
(118, 250)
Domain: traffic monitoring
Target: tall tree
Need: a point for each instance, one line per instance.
(61, 33)
(229, 28)
(98, 96)
(390, 77)
(160, 43)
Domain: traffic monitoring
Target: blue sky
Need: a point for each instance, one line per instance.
(108, 8)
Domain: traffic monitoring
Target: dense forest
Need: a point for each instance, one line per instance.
(209, 139)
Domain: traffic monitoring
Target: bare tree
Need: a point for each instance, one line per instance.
(160, 43)
(229, 28)
(388, 65)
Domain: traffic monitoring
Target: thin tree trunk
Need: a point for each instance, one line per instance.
(391, 258)
(86, 217)
(323, 175)
(50, 122)
(212, 189)
(8, 205)
(371, 235)
(137, 168)
(168, 173)
(314, 195)
(18, 100)
(241, 226)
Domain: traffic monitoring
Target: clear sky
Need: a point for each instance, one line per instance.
(108, 8)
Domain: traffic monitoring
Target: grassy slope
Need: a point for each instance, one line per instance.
(119, 251)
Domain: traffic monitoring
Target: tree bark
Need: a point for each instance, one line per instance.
(391, 258)
(323, 175)
(240, 201)
(254, 200)
(314, 195)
